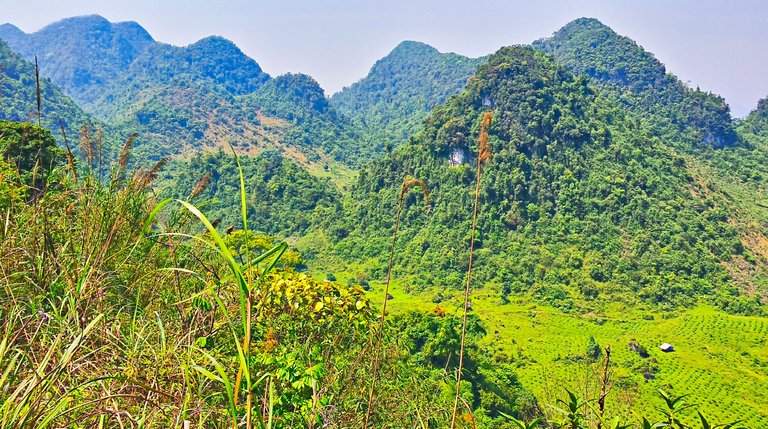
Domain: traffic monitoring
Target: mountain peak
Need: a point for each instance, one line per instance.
(90, 26)
(585, 22)
(134, 29)
(8, 28)
(215, 41)
(589, 47)
(83, 21)
(401, 88)
(411, 46)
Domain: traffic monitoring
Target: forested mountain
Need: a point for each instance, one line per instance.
(639, 82)
(185, 98)
(90, 58)
(400, 90)
(18, 97)
(318, 129)
(581, 205)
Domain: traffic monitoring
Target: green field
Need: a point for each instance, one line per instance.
(721, 360)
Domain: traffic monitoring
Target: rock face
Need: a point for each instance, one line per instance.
(457, 157)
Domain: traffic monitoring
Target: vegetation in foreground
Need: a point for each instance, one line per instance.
(120, 310)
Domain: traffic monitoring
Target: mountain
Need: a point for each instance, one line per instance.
(83, 55)
(581, 205)
(318, 128)
(180, 99)
(754, 127)
(18, 98)
(90, 58)
(640, 83)
(400, 90)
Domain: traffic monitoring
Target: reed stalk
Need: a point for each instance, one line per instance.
(408, 183)
(483, 155)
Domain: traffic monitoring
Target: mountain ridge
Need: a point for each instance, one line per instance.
(633, 76)
(571, 178)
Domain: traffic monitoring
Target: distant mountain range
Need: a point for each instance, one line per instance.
(203, 96)
(627, 119)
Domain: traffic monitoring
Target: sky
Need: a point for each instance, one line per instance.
(719, 46)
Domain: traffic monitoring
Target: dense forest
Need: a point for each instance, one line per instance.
(582, 205)
(494, 242)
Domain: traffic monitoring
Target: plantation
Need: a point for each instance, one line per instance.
(720, 360)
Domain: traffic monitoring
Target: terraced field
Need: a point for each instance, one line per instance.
(719, 359)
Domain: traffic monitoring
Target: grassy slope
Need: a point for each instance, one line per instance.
(720, 359)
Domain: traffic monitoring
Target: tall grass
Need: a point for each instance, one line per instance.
(38, 390)
(247, 277)
(408, 183)
(483, 156)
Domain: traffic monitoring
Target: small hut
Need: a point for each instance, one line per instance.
(666, 348)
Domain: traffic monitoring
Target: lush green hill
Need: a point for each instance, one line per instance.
(18, 97)
(581, 206)
(178, 99)
(641, 84)
(390, 103)
(90, 58)
(83, 55)
(317, 128)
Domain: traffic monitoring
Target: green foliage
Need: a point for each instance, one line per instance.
(637, 81)
(316, 126)
(32, 150)
(593, 351)
(12, 190)
(434, 339)
(18, 97)
(289, 200)
(754, 128)
(580, 206)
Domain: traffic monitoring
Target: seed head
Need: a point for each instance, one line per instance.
(409, 183)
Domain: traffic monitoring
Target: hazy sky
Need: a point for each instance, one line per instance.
(721, 46)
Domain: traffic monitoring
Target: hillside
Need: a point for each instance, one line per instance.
(640, 83)
(400, 90)
(18, 98)
(183, 99)
(289, 198)
(581, 206)
(754, 128)
(317, 128)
